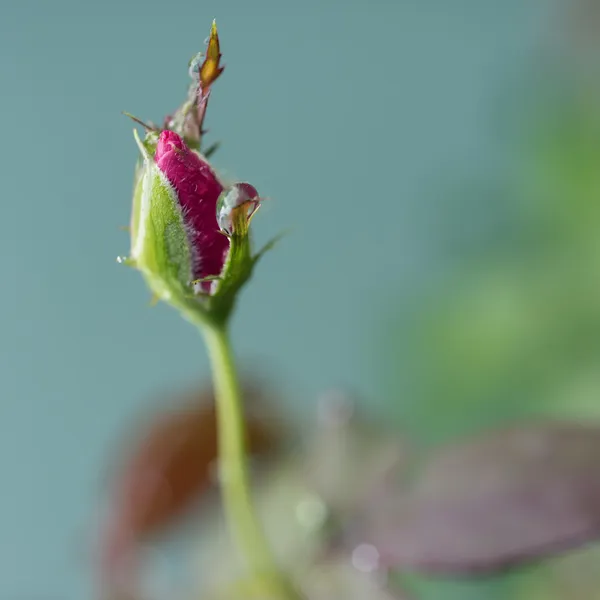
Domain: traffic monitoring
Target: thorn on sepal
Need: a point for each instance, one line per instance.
(146, 126)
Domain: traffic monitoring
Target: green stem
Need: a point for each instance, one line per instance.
(243, 522)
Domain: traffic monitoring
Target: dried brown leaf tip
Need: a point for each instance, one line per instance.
(211, 68)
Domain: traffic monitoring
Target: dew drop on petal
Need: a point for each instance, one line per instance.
(195, 64)
(232, 198)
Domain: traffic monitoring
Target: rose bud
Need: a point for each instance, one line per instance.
(184, 249)
(189, 232)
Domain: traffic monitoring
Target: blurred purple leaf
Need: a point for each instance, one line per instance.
(496, 501)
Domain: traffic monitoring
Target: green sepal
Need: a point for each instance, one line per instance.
(211, 150)
(161, 251)
(269, 246)
(159, 243)
(236, 273)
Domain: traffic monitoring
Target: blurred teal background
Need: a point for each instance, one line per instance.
(384, 134)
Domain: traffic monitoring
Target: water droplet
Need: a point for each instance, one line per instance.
(232, 198)
(122, 259)
(365, 558)
(195, 64)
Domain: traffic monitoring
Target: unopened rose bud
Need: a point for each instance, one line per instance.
(183, 224)
(190, 232)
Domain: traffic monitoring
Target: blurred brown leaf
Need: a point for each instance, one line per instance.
(507, 497)
(165, 467)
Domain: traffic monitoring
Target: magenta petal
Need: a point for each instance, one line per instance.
(198, 190)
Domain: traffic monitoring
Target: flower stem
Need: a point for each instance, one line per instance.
(239, 510)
